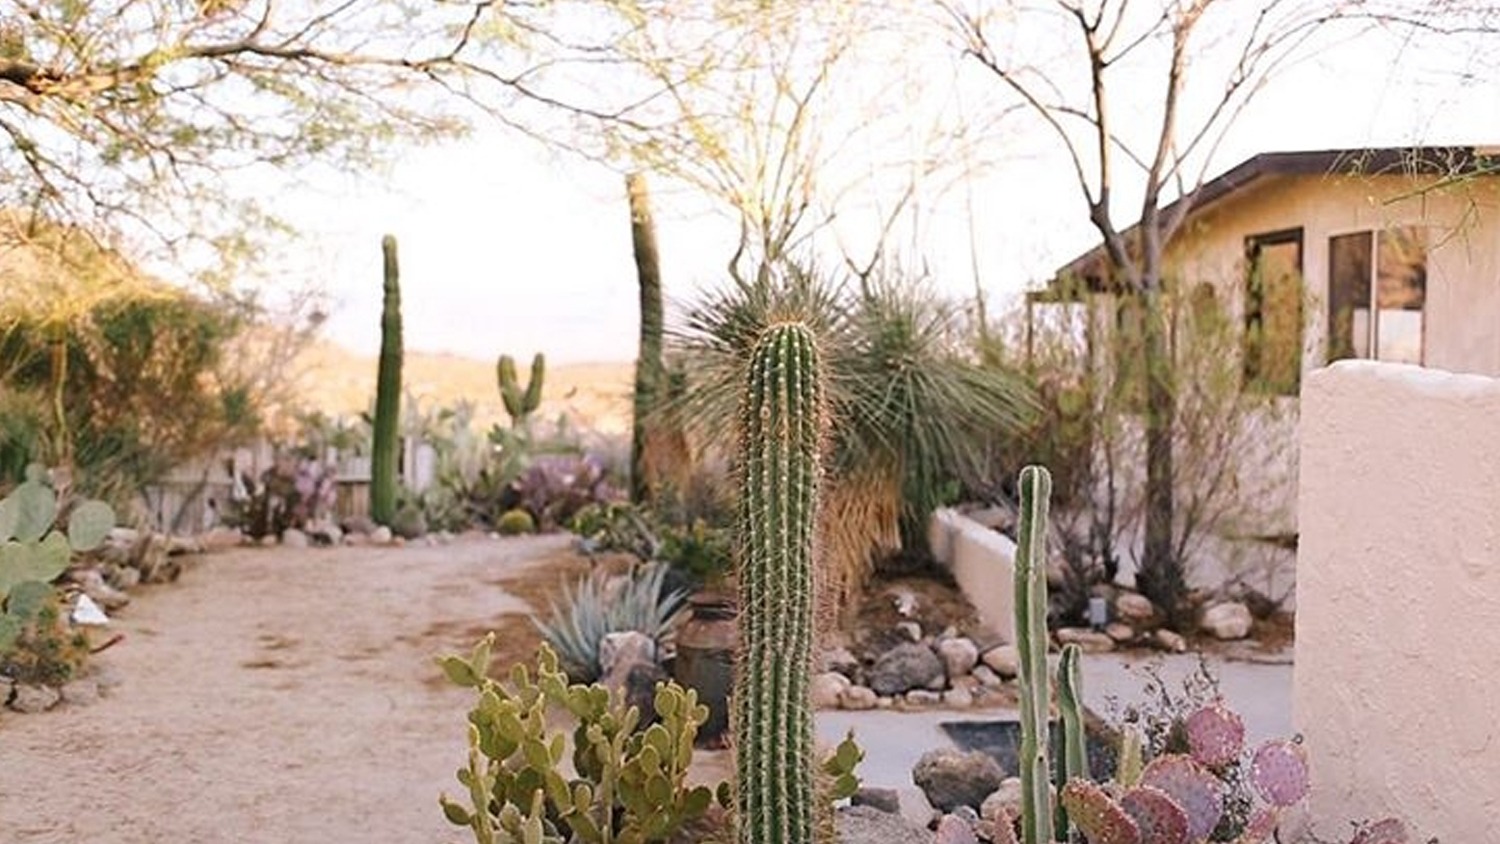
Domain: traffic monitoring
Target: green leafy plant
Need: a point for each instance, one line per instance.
(598, 605)
(36, 642)
(628, 786)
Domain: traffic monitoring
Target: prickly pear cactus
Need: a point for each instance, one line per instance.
(1215, 735)
(1261, 827)
(1192, 787)
(780, 463)
(1279, 773)
(1158, 816)
(629, 784)
(1097, 815)
(33, 553)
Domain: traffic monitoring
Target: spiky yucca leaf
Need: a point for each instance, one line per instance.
(595, 607)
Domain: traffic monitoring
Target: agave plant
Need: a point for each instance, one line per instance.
(599, 605)
(910, 408)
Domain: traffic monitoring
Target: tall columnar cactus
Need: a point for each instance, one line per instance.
(1031, 635)
(1075, 762)
(779, 461)
(520, 402)
(385, 453)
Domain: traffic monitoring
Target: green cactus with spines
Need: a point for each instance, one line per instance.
(33, 552)
(628, 785)
(782, 421)
(520, 401)
(385, 451)
(1031, 636)
(1075, 763)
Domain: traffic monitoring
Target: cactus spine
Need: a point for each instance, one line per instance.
(1031, 635)
(1075, 762)
(520, 402)
(385, 452)
(780, 438)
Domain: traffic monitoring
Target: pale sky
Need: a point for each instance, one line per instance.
(506, 248)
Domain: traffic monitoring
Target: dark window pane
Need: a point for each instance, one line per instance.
(1349, 296)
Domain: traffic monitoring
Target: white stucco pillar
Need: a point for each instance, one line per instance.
(1397, 682)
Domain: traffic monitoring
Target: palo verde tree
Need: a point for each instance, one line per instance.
(1138, 102)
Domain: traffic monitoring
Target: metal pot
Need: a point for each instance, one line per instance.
(706, 644)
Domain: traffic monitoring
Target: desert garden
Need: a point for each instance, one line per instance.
(861, 540)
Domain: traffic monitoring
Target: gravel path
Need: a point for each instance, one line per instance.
(272, 696)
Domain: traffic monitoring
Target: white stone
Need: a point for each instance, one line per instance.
(959, 656)
(381, 535)
(1004, 660)
(1169, 641)
(1230, 620)
(923, 697)
(958, 698)
(293, 538)
(858, 697)
(827, 689)
(1087, 640)
(911, 630)
(1134, 608)
(1006, 797)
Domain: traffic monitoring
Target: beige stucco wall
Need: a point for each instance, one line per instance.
(1397, 680)
(983, 562)
(1463, 269)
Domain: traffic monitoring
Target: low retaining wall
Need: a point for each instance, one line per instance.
(983, 561)
(1398, 591)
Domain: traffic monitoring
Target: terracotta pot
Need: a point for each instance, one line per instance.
(705, 658)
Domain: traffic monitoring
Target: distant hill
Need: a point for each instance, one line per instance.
(338, 381)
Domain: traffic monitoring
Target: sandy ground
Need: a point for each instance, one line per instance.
(275, 696)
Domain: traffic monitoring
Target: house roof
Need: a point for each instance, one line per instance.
(1438, 161)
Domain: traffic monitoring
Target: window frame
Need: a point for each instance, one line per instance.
(1252, 379)
(1373, 336)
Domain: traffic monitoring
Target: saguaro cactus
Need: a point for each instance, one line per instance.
(385, 453)
(1031, 633)
(781, 432)
(520, 402)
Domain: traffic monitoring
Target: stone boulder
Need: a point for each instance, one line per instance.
(906, 667)
(959, 656)
(1229, 620)
(951, 778)
(826, 689)
(869, 825)
(884, 799)
(955, 830)
(1004, 660)
(1134, 608)
(1089, 641)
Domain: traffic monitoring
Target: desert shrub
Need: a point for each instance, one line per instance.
(136, 381)
(598, 605)
(555, 487)
(297, 489)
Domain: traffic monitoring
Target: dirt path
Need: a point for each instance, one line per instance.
(274, 696)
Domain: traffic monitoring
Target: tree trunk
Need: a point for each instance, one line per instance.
(649, 369)
(1161, 577)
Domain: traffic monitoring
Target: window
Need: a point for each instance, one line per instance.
(1273, 312)
(1390, 269)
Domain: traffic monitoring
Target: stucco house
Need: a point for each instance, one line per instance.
(1390, 254)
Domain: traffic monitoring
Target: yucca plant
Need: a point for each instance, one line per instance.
(595, 606)
(910, 408)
